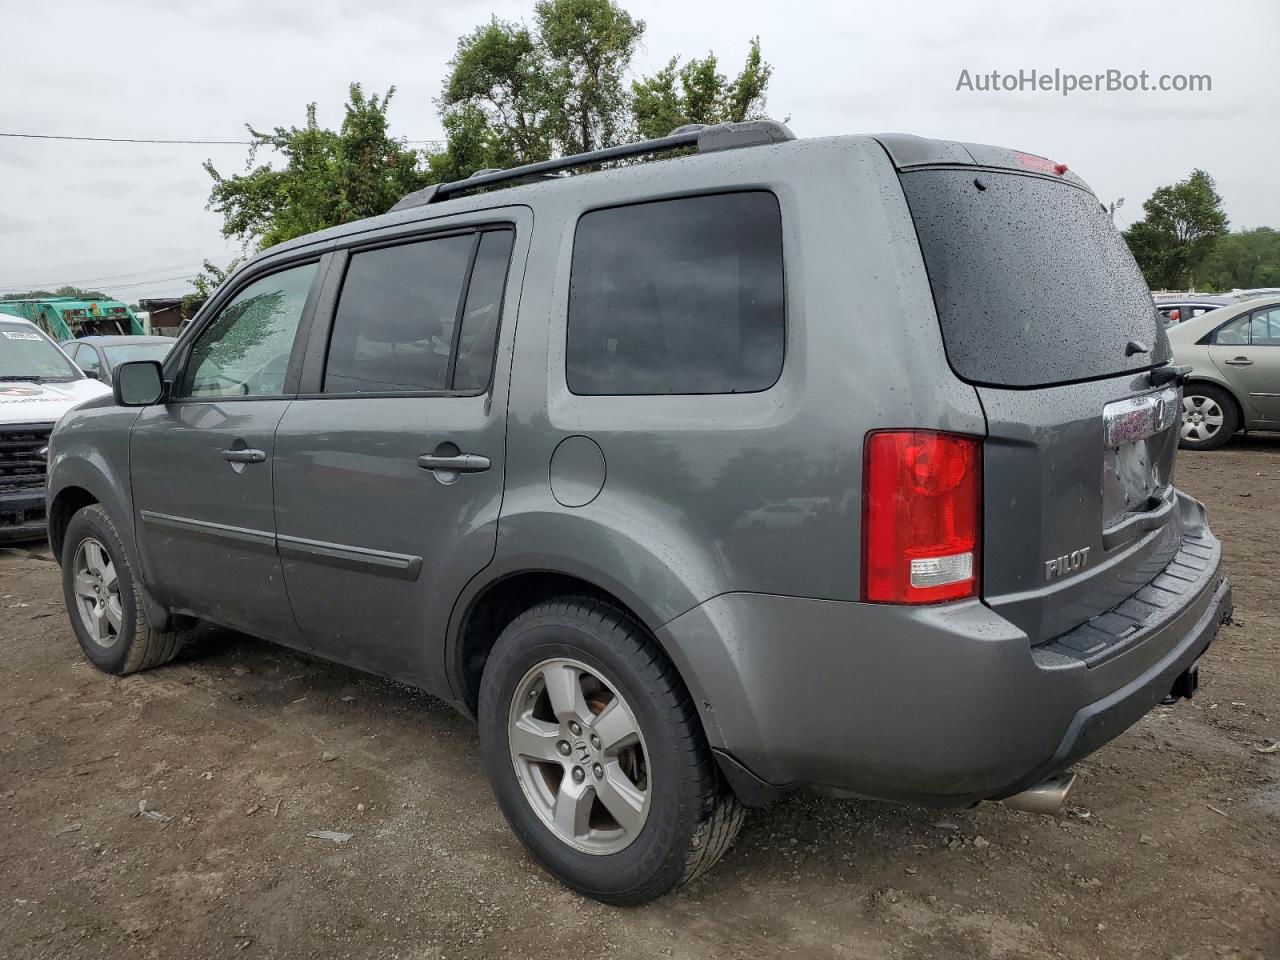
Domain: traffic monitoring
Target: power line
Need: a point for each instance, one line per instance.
(44, 284)
(147, 283)
(113, 287)
(53, 136)
(435, 144)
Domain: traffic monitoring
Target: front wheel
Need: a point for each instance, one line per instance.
(1208, 417)
(597, 757)
(101, 593)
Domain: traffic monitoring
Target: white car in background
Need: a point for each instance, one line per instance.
(38, 384)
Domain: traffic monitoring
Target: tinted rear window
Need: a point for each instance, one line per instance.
(1033, 283)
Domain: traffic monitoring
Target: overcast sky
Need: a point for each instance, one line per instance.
(78, 212)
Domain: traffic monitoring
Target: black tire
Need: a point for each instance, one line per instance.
(1230, 417)
(693, 816)
(136, 644)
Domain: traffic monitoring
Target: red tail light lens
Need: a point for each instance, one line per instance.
(921, 506)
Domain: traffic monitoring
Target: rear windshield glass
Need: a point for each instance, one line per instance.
(1033, 284)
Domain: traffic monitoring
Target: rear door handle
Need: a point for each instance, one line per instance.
(244, 456)
(1239, 362)
(458, 463)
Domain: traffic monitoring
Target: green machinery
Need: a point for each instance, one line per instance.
(65, 318)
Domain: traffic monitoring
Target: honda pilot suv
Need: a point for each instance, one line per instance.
(768, 463)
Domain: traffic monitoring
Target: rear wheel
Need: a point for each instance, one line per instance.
(102, 599)
(1208, 417)
(597, 757)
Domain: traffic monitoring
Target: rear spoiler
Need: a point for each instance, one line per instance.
(908, 152)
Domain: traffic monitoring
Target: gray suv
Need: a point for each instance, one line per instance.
(771, 463)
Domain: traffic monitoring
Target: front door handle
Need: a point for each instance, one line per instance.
(458, 463)
(1239, 362)
(243, 456)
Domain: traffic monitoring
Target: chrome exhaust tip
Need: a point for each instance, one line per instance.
(1048, 796)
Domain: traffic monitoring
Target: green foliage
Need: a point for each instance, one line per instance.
(210, 277)
(519, 95)
(589, 45)
(1243, 260)
(698, 93)
(76, 292)
(1183, 222)
(496, 104)
(514, 94)
(328, 177)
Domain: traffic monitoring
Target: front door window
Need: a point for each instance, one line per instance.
(245, 351)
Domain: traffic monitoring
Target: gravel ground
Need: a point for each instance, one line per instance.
(1171, 847)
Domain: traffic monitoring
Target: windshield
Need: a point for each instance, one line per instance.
(128, 352)
(1033, 284)
(26, 354)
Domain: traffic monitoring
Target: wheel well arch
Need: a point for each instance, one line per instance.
(501, 601)
(1235, 401)
(68, 502)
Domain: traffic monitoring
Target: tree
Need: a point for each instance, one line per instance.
(514, 94)
(210, 277)
(328, 177)
(589, 45)
(66, 291)
(698, 93)
(1182, 223)
(1244, 259)
(518, 95)
(496, 104)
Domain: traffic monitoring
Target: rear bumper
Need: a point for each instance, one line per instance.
(22, 515)
(942, 705)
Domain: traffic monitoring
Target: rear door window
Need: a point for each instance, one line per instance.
(1265, 329)
(393, 331)
(1033, 284)
(483, 311)
(420, 317)
(677, 297)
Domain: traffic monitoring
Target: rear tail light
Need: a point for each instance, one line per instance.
(921, 506)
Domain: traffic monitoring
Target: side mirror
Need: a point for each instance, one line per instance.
(92, 374)
(139, 383)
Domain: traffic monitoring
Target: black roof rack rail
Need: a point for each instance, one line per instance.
(706, 139)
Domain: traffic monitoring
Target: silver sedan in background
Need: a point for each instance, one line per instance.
(1234, 355)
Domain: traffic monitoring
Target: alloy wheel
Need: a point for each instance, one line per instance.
(579, 756)
(97, 591)
(1202, 418)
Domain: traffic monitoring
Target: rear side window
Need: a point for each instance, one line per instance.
(402, 325)
(677, 297)
(393, 330)
(1033, 284)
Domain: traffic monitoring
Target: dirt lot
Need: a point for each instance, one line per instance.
(1171, 848)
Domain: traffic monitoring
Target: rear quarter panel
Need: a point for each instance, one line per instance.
(688, 478)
